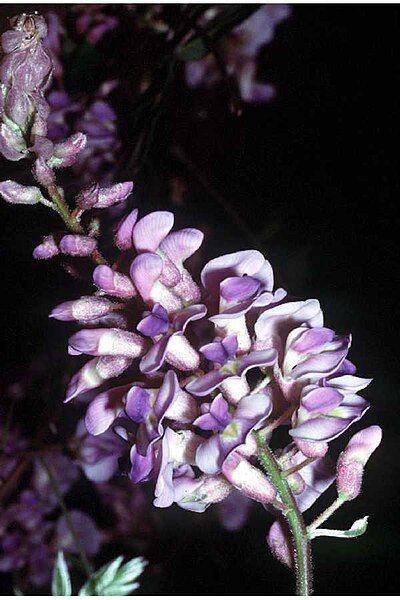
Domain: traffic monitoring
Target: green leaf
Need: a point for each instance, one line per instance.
(358, 528)
(114, 580)
(61, 584)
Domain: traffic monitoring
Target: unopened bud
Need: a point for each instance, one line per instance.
(77, 245)
(88, 197)
(66, 153)
(113, 283)
(181, 354)
(43, 173)
(113, 194)
(248, 479)
(351, 462)
(12, 143)
(20, 194)
(95, 373)
(47, 249)
(312, 449)
(107, 342)
(279, 541)
(83, 309)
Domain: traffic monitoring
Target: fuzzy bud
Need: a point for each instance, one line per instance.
(20, 194)
(88, 197)
(107, 342)
(95, 373)
(278, 539)
(113, 283)
(66, 153)
(249, 480)
(351, 462)
(47, 249)
(113, 194)
(12, 143)
(78, 245)
(43, 173)
(83, 309)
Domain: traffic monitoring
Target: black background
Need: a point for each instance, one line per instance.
(317, 173)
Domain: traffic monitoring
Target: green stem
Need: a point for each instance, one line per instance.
(70, 524)
(63, 210)
(294, 518)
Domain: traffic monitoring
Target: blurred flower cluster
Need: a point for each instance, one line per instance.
(44, 517)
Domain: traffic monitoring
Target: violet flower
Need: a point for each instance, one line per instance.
(240, 53)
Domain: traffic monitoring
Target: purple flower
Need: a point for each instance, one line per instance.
(158, 272)
(86, 530)
(250, 413)
(325, 413)
(148, 408)
(240, 282)
(173, 345)
(230, 377)
(241, 49)
(98, 454)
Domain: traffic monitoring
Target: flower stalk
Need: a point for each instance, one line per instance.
(294, 518)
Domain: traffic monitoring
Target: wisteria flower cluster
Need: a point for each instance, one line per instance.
(210, 367)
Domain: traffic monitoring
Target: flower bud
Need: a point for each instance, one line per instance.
(88, 197)
(249, 480)
(20, 194)
(197, 494)
(66, 153)
(12, 143)
(113, 194)
(351, 462)
(47, 249)
(279, 541)
(95, 373)
(78, 245)
(42, 173)
(113, 283)
(107, 342)
(83, 309)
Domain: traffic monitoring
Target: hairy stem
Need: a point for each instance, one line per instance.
(294, 518)
(63, 210)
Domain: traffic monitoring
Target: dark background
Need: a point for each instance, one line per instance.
(315, 175)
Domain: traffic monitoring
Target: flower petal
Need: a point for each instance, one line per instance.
(149, 231)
